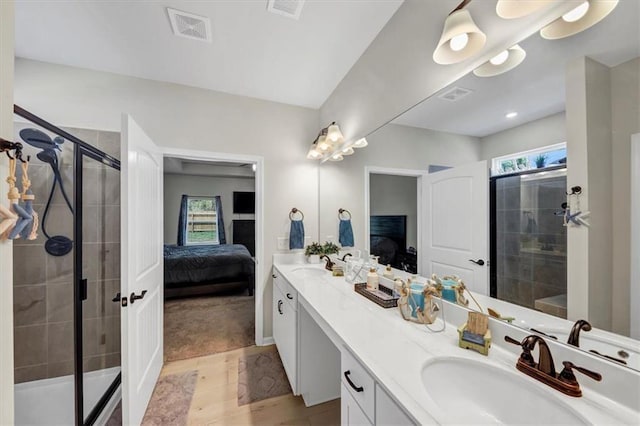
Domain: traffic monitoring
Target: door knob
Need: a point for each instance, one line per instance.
(134, 297)
(478, 262)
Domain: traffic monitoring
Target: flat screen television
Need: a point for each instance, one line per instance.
(244, 202)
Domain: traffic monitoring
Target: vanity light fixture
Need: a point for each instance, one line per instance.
(585, 15)
(330, 145)
(461, 38)
(512, 114)
(513, 9)
(502, 62)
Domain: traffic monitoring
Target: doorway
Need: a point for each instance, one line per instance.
(209, 263)
(393, 205)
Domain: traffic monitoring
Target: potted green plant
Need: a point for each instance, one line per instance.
(541, 161)
(313, 252)
(330, 248)
(522, 163)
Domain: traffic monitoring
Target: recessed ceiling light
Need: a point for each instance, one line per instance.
(511, 114)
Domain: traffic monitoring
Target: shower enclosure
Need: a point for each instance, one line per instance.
(529, 240)
(67, 280)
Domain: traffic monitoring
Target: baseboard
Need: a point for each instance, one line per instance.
(266, 341)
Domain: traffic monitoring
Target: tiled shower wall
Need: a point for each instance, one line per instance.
(43, 289)
(531, 241)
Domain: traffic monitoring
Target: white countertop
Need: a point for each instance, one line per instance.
(395, 350)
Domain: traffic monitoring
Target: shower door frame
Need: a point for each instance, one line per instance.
(81, 149)
(493, 249)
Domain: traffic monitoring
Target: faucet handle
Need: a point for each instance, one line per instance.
(567, 373)
(525, 356)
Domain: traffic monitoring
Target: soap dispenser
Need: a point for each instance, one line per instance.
(388, 273)
(372, 280)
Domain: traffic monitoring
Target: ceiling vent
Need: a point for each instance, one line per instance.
(189, 25)
(454, 94)
(288, 8)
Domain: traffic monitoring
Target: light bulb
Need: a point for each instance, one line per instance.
(500, 58)
(459, 42)
(347, 151)
(336, 157)
(576, 13)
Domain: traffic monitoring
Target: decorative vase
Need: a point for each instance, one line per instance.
(313, 258)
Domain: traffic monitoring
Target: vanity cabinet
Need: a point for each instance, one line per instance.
(285, 321)
(364, 401)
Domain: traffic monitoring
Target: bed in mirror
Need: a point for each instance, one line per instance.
(562, 122)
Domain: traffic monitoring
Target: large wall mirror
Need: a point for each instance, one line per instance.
(564, 118)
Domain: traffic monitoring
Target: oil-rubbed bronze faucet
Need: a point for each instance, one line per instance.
(344, 258)
(544, 370)
(574, 336)
(329, 265)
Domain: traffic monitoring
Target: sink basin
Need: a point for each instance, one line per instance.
(309, 271)
(473, 392)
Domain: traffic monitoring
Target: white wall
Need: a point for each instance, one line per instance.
(392, 146)
(175, 185)
(396, 195)
(184, 117)
(534, 134)
(6, 252)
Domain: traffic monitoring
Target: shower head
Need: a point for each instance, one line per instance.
(37, 139)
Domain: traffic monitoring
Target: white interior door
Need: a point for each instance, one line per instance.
(456, 226)
(635, 237)
(142, 269)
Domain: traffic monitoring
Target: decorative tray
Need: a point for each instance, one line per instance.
(383, 296)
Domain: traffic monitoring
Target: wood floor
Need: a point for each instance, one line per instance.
(215, 400)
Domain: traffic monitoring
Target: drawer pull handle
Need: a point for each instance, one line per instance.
(289, 296)
(280, 307)
(356, 388)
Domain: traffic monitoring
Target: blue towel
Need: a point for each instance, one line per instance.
(345, 233)
(296, 235)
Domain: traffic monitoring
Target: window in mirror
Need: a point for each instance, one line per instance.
(548, 156)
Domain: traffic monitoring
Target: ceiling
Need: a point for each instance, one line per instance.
(535, 89)
(253, 52)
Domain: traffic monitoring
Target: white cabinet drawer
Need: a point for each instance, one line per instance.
(289, 293)
(350, 411)
(358, 383)
(388, 413)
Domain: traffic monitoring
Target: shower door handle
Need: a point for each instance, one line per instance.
(133, 296)
(116, 298)
(478, 262)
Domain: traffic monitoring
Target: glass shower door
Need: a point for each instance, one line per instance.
(98, 190)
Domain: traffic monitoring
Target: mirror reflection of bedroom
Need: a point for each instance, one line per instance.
(393, 220)
(209, 257)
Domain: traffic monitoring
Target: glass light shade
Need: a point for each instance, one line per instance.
(513, 9)
(458, 23)
(347, 151)
(500, 58)
(323, 143)
(577, 13)
(313, 153)
(336, 157)
(515, 56)
(361, 143)
(333, 133)
(560, 28)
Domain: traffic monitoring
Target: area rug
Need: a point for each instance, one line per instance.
(171, 400)
(261, 376)
(207, 325)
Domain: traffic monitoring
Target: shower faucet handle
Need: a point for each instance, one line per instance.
(134, 297)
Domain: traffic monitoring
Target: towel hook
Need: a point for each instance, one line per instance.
(293, 212)
(342, 211)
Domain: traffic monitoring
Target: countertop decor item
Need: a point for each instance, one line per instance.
(313, 252)
(383, 296)
(421, 309)
(475, 334)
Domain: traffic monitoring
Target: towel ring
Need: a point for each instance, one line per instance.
(293, 212)
(342, 211)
